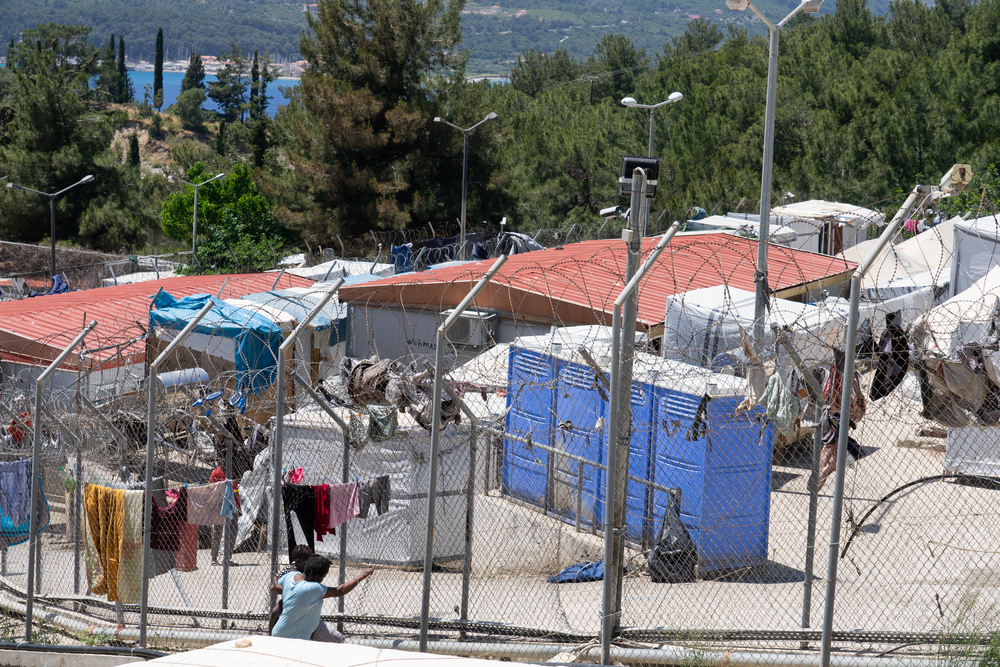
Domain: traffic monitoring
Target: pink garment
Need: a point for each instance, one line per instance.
(295, 476)
(344, 503)
(205, 505)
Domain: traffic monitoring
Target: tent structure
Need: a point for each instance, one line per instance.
(976, 245)
(314, 442)
(913, 265)
(341, 268)
(242, 337)
(700, 325)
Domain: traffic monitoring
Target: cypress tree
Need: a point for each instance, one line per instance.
(158, 71)
(125, 90)
(220, 138)
(254, 84)
(10, 53)
(133, 150)
(194, 77)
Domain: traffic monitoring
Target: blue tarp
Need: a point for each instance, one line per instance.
(257, 337)
(579, 573)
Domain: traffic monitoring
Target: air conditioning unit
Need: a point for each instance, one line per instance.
(473, 328)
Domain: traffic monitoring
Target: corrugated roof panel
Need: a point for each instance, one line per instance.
(41, 327)
(588, 276)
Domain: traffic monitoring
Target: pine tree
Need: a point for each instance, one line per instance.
(158, 71)
(10, 54)
(254, 85)
(133, 150)
(220, 138)
(194, 77)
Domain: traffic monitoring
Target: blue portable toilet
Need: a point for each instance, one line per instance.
(720, 461)
(579, 407)
(530, 415)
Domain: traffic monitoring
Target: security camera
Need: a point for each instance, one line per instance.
(611, 212)
(956, 179)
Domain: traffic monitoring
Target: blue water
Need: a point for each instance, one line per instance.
(172, 88)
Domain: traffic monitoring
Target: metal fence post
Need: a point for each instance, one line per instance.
(34, 552)
(152, 380)
(620, 431)
(845, 405)
(279, 416)
(439, 342)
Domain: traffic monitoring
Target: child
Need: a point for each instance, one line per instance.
(302, 596)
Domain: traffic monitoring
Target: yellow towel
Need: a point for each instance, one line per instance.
(130, 570)
(105, 518)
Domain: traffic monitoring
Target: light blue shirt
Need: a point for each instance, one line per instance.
(301, 607)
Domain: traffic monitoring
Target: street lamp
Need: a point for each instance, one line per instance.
(630, 102)
(194, 228)
(465, 171)
(52, 210)
(810, 7)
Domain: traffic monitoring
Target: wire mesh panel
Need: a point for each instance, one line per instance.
(727, 437)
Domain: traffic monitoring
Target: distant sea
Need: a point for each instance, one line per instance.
(172, 88)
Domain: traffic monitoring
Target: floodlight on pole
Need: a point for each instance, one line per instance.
(632, 103)
(194, 226)
(760, 300)
(465, 171)
(52, 211)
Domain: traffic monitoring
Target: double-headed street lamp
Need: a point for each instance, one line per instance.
(194, 227)
(630, 102)
(52, 209)
(465, 171)
(810, 7)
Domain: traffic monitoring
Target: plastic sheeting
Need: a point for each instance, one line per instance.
(976, 248)
(251, 338)
(964, 318)
(314, 442)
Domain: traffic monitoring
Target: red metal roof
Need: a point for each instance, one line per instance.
(578, 283)
(36, 330)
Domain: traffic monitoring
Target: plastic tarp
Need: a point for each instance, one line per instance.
(964, 318)
(255, 338)
(976, 246)
(915, 264)
(342, 268)
(314, 442)
(817, 209)
(298, 302)
(701, 325)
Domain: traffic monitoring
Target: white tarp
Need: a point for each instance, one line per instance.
(702, 324)
(341, 268)
(915, 264)
(964, 318)
(314, 442)
(976, 245)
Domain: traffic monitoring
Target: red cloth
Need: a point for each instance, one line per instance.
(321, 493)
(168, 522)
(219, 475)
(15, 430)
(186, 558)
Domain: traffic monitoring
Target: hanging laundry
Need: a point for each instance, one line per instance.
(187, 554)
(294, 476)
(833, 387)
(893, 359)
(205, 504)
(15, 490)
(321, 497)
(829, 428)
(345, 503)
(130, 566)
(105, 518)
(301, 500)
(781, 404)
(12, 533)
(230, 501)
(375, 492)
(219, 475)
(167, 523)
(383, 422)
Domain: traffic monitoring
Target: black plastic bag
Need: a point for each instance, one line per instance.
(893, 359)
(673, 557)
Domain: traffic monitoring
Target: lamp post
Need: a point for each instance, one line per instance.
(194, 228)
(630, 102)
(52, 210)
(810, 7)
(465, 171)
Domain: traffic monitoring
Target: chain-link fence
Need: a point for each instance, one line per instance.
(722, 517)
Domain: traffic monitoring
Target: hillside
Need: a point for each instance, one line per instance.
(494, 33)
